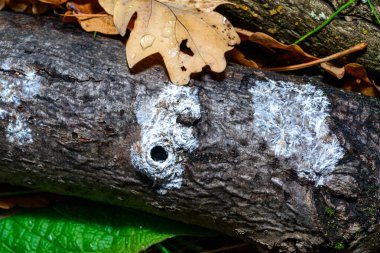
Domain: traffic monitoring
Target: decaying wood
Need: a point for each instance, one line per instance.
(76, 111)
(290, 20)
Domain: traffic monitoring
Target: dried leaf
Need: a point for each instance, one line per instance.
(84, 6)
(2, 4)
(29, 6)
(356, 85)
(369, 91)
(238, 57)
(187, 34)
(38, 7)
(201, 5)
(18, 6)
(243, 33)
(289, 54)
(83, 11)
(338, 72)
(367, 86)
(295, 54)
(54, 2)
(103, 25)
(358, 71)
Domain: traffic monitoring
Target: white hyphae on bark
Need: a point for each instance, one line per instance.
(13, 92)
(166, 133)
(292, 120)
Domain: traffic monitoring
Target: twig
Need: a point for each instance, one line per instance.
(351, 50)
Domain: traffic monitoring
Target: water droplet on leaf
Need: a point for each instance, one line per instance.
(173, 52)
(147, 41)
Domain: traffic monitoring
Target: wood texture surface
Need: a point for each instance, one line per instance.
(82, 122)
(288, 21)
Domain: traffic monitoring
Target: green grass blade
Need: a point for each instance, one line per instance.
(374, 11)
(326, 22)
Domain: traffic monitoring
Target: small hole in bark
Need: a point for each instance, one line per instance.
(74, 135)
(158, 154)
(186, 120)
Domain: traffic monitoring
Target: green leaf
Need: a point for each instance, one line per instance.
(83, 226)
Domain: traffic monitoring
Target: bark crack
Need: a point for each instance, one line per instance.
(53, 74)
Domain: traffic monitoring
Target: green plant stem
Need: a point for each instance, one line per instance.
(162, 248)
(326, 22)
(374, 11)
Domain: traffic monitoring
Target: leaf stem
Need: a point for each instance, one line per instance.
(351, 50)
(326, 22)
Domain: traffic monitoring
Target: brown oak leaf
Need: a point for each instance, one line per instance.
(188, 34)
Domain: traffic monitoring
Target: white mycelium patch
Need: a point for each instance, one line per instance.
(158, 154)
(18, 131)
(17, 89)
(14, 91)
(292, 119)
(318, 17)
(3, 113)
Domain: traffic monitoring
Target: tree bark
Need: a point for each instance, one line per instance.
(73, 120)
(288, 21)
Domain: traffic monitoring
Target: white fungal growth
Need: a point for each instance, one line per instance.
(5, 65)
(18, 131)
(14, 91)
(292, 120)
(25, 87)
(3, 113)
(164, 138)
(318, 17)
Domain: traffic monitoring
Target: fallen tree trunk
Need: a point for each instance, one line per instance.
(269, 158)
(288, 21)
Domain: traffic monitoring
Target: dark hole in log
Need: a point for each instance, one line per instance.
(158, 154)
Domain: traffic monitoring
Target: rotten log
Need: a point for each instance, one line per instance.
(256, 155)
(288, 21)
